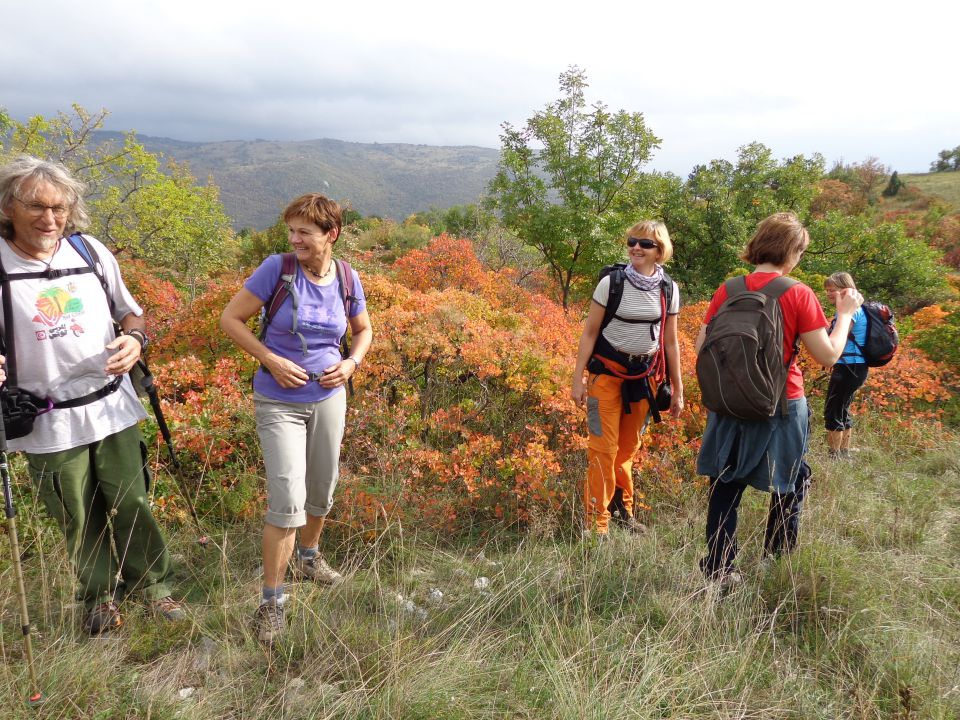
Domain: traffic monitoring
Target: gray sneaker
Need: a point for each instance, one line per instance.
(317, 569)
(269, 621)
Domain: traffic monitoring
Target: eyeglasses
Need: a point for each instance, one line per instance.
(37, 209)
(642, 242)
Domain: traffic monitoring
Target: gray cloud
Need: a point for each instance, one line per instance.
(707, 79)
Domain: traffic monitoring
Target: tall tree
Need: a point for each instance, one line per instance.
(563, 178)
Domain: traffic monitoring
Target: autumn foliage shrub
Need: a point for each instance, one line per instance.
(462, 419)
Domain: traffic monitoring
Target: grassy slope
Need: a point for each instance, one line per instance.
(945, 185)
(863, 622)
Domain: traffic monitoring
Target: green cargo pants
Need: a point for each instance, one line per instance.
(97, 493)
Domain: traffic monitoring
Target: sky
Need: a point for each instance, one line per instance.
(848, 79)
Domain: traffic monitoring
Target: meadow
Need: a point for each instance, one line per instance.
(862, 622)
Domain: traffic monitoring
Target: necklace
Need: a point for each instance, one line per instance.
(314, 273)
(34, 257)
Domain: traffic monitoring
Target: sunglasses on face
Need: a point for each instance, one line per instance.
(642, 242)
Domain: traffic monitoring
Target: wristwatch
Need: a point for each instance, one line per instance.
(141, 337)
(355, 360)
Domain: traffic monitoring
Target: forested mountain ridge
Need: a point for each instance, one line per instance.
(258, 177)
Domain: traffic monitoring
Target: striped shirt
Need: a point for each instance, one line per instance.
(635, 338)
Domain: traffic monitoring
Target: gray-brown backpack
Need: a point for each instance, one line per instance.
(740, 367)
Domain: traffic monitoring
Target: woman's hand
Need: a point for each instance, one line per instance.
(286, 372)
(848, 300)
(579, 391)
(3, 370)
(676, 402)
(337, 375)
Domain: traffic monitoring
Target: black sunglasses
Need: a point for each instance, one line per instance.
(642, 242)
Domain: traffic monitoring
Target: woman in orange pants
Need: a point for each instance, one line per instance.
(616, 352)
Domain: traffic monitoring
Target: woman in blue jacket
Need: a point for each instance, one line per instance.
(848, 374)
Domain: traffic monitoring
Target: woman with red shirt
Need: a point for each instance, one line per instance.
(768, 454)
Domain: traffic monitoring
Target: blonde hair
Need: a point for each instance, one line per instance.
(840, 280)
(657, 232)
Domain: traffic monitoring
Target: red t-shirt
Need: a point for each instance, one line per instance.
(801, 313)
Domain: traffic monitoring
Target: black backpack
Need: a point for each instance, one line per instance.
(882, 336)
(740, 366)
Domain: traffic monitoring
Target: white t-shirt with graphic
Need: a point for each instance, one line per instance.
(61, 327)
(635, 338)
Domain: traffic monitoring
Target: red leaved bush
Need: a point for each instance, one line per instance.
(462, 416)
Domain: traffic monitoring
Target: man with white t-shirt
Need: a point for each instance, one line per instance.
(85, 455)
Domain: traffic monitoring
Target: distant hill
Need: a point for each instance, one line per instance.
(258, 178)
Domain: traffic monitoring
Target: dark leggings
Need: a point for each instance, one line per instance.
(845, 380)
(783, 522)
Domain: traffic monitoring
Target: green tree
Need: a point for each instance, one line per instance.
(946, 160)
(159, 215)
(885, 262)
(893, 187)
(563, 179)
(712, 214)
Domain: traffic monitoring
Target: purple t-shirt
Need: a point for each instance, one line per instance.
(320, 320)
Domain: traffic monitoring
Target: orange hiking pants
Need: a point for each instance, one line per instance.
(613, 439)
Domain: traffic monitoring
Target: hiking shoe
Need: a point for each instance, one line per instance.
(168, 609)
(103, 618)
(316, 569)
(269, 621)
(631, 525)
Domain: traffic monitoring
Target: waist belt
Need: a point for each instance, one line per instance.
(107, 389)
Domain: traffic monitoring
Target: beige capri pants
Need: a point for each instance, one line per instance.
(301, 453)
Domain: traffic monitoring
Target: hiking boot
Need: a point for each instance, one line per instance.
(316, 569)
(269, 621)
(631, 525)
(168, 609)
(103, 618)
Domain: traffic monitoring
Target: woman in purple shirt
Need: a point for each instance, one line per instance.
(299, 394)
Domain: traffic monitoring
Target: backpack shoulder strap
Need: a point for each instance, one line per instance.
(282, 289)
(778, 286)
(614, 296)
(666, 287)
(736, 285)
(285, 288)
(345, 278)
(7, 343)
(90, 256)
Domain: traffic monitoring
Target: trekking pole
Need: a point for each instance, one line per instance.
(35, 697)
(147, 383)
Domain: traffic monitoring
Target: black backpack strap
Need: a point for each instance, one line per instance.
(614, 296)
(8, 343)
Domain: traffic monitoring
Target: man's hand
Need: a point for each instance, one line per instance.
(128, 352)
